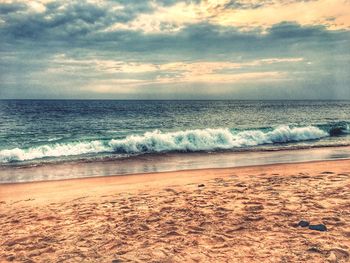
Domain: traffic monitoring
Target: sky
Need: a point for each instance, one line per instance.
(166, 49)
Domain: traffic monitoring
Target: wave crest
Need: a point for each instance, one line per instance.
(212, 139)
(157, 141)
(54, 150)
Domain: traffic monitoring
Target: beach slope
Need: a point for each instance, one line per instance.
(248, 214)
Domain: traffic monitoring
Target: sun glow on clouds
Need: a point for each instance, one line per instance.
(205, 72)
(118, 46)
(333, 14)
(125, 86)
(242, 14)
(201, 67)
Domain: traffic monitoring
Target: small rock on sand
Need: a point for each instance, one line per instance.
(201, 185)
(303, 223)
(319, 227)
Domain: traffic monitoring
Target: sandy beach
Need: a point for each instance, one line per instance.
(247, 214)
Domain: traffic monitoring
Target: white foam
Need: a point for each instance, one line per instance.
(157, 141)
(212, 139)
(55, 150)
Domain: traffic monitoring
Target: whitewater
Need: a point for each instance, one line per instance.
(158, 142)
(34, 132)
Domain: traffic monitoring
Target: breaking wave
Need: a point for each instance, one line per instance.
(180, 141)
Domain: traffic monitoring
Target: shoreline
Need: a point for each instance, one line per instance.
(194, 170)
(242, 214)
(125, 181)
(147, 164)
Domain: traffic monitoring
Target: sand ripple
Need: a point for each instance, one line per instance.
(234, 218)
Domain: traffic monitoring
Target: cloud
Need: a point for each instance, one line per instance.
(89, 19)
(170, 47)
(245, 15)
(332, 14)
(203, 67)
(196, 82)
(55, 20)
(170, 72)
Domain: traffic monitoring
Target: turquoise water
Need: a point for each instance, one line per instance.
(37, 131)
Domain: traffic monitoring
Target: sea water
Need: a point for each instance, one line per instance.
(33, 132)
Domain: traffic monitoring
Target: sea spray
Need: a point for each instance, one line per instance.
(212, 139)
(158, 141)
(52, 150)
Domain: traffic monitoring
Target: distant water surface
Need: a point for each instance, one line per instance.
(43, 131)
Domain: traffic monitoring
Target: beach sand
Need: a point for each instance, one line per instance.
(245, 214)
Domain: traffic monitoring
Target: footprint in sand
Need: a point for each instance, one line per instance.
(253, 217)
(240, 185)
(338, 255)
(333, 221)
(171, 191)
(235, 229)
(171, 233)
(343, 175)
(254, 208)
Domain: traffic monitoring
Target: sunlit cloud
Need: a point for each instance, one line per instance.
(333, 14)
(192, 77)
(201, 67)
(136, 47)
(206, 72)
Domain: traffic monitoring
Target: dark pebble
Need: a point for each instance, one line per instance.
(319, 227)
(201, 185)
(303, 223)
(116, 261)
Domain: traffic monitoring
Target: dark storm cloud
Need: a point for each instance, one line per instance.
(7, 8)
(214, 41)
(83, 25)
(64, 21)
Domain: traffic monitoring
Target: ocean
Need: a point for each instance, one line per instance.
(34, 132)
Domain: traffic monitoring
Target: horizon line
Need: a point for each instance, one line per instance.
(92, 99)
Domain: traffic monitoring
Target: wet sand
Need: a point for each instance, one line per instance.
(165, 162)
(245, 214)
